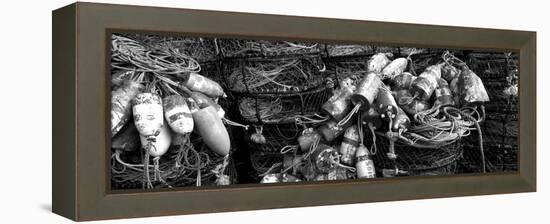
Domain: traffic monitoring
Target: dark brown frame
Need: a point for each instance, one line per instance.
(81, 108)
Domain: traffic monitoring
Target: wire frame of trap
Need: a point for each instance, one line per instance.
(182, 155)
(413, 160)
(200, 49)
(233, 48)
(274, 75)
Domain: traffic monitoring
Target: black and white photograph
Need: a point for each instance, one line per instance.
(191, 111)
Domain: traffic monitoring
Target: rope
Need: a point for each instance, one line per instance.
(349, 115)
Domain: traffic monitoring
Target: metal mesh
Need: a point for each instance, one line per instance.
(279, 108)
(200, 49)
(281, 75)
(413, 159)
(231, 48)
(277, 136)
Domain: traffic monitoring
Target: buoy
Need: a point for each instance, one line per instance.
(378, 62)
(161, 143)
(366, 91)
(121, 104)
(372, 118)
(330, 130)
(338, 173)
(307, 138)
(204, 101)
(325, 158)
(148, 114)
(426, 83)
(199, 83)
(364, 165)
(449, 72)
(337, 106)
(443, 95)
(212, 130)
(394, 68)
(401, 121)
(471, 88)
(349, 145)
(402, 81)
(177, 114)
(386, 105)
(413, 106)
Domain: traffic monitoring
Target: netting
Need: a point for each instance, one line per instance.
(179, 167)
(277, 136)
(232, 48)
(274, 75)
(278, 108)
(413, 159)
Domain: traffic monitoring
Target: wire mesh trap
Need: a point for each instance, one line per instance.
(280, 75)
(232, 48)
(280, 108)
(416, 161)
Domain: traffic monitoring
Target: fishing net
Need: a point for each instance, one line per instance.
(281, 75)
(337, 50)
(416, 160)
(281, 108)
(264, 163)
(499, 73)
(277, 136)
(231, 48)
(179, 167)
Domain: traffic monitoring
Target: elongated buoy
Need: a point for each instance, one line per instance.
(337, 106)
(366, 91)
(402, 81)
(386, 105)
(394, 68)
(330, 130)
(372, 118)
(199, 83)
(424, 86)
(205, 101)
(401, 120)
(161, 144)
(378, 62)
(212, 130)
(349, 144)
(148, 114)
(177, 114)
(443, 95)
(364, 165)
(471, 88)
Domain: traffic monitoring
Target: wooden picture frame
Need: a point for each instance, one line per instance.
(81, 111)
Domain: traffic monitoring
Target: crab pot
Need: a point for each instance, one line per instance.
(349, 145)
(443, 95)
(337, 106)
(199, 83)
(148, 114)
(373, 117)
(366, 91)
(177, 114)
(386, 105)
(471, 88)
(426, 83)
(161, 144)
(212, 130)
(325, 158)
(402, 81)
(401, 121)
(307, 138)
(330, 130)
(364, 165)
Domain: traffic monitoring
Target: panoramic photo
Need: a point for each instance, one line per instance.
(190, 111)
